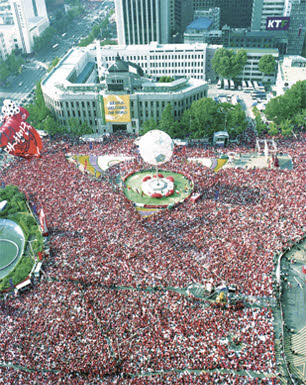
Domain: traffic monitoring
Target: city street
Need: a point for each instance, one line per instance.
(35, 68)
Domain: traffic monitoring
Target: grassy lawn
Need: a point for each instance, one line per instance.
(182, 185)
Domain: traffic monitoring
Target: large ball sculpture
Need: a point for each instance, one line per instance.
(156, 147)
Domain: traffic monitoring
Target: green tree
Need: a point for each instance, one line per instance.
(4, 72)
(286, 127)
(148, 125)
(53, 63)
(205, 118)
(273, 130)
(166, 122)
(227, 63)
(290, 106)
(236, 121)
(267, 64)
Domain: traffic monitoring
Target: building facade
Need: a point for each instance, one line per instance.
(236, 14)
(123, 100)
(297, 27)
(143, 21)
(156, 60)
(263, 9)
(251, 71)
(25, 19)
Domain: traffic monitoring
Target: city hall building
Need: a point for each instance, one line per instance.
(117, 98)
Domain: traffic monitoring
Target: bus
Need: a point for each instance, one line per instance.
(55, 46)
(64, 34)
(232, 85)
(219, 84)
(244, 86)
(226, 87)
(255, 85)
(250, 85)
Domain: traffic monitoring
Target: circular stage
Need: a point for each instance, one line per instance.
(145, 188)
(11, 245)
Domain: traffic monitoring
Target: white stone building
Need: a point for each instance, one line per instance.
(73, 90)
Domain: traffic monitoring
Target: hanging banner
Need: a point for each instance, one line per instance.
(117, 108)
(43, 223)
(17, 137)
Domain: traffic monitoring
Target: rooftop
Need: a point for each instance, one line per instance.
(200, 23)
(291, 72)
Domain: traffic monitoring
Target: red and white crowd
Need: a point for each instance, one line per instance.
(106, 312)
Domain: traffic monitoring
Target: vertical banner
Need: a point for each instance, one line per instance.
(117, 108)
(11, 283)
(43, 223)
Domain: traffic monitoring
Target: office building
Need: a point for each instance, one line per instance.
(122, 100)
(251, 71)
(152, 20)
(239, 37)
(235, 13)
(30, 20)
(6, 16)
(212, 13)
(7, 40)
(198, 30)
(263, 9)
(156, 60)
(297, 27)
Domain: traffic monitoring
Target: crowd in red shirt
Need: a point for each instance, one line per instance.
(105, 311)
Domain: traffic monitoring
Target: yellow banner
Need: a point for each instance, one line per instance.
(117, 108)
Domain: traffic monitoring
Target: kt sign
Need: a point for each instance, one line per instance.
(277, 23)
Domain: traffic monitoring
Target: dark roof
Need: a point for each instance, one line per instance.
(125, 66)
(119, 66)
(200, 23)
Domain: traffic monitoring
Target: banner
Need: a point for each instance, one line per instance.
(275, 23)
(43, 223)
(117, 108)
(17, 137)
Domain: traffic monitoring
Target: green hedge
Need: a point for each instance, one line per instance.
(20, 273)
(17, 211)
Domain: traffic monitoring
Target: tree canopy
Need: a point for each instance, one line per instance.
(267, 64)
(204, 117)
(288, 109)
(227, 63)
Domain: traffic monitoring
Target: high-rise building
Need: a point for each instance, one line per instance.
(235, 13)
(263, 9)
(143, 21)
(297, 27)
(30, 19)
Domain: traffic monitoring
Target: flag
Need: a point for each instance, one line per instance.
(34, 210)
(216, 195)
(11, 283)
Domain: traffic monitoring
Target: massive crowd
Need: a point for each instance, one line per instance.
(105, 310)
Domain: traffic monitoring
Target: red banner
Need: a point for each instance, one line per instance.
(19, 138)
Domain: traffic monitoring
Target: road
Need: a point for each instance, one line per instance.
(22, 84)
(246, 100)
